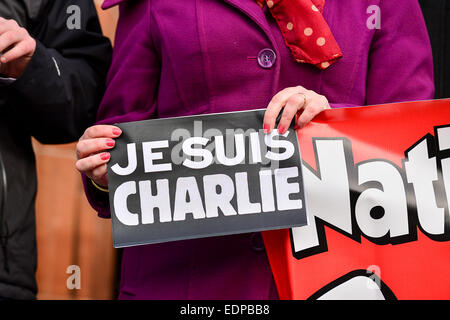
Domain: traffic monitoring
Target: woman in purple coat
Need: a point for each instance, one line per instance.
(177, 58)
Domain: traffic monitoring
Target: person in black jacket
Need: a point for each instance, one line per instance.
(54, 61)
(437, 17)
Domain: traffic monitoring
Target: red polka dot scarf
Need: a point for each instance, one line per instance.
(305, 31)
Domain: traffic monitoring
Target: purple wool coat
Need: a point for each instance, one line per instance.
(177, 58)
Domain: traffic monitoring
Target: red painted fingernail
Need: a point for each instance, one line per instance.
(105, 156)
(117, 132)
(110, 143)
(281, 129)
(266, 128)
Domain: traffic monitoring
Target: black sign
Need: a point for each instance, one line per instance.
(200, 176)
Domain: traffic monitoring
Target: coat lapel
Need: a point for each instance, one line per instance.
(254, 12)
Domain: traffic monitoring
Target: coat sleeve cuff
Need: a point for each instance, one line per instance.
(98, 200)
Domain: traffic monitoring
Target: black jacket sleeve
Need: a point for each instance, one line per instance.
(437, 17)
(58, 94)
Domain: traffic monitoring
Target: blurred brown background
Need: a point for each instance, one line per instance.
(68, 229)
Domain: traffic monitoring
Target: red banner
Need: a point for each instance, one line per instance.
(377, 183)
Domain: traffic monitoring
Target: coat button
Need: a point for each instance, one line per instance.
(257, 242)
(266, 58)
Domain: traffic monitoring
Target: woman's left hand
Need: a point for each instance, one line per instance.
(296, 101)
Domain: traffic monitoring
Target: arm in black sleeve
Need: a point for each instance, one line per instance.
(60, 90)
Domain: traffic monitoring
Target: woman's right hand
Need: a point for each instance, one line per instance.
(92, 152)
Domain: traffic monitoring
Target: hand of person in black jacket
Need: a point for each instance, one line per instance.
(56, 97)
(17, 48)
